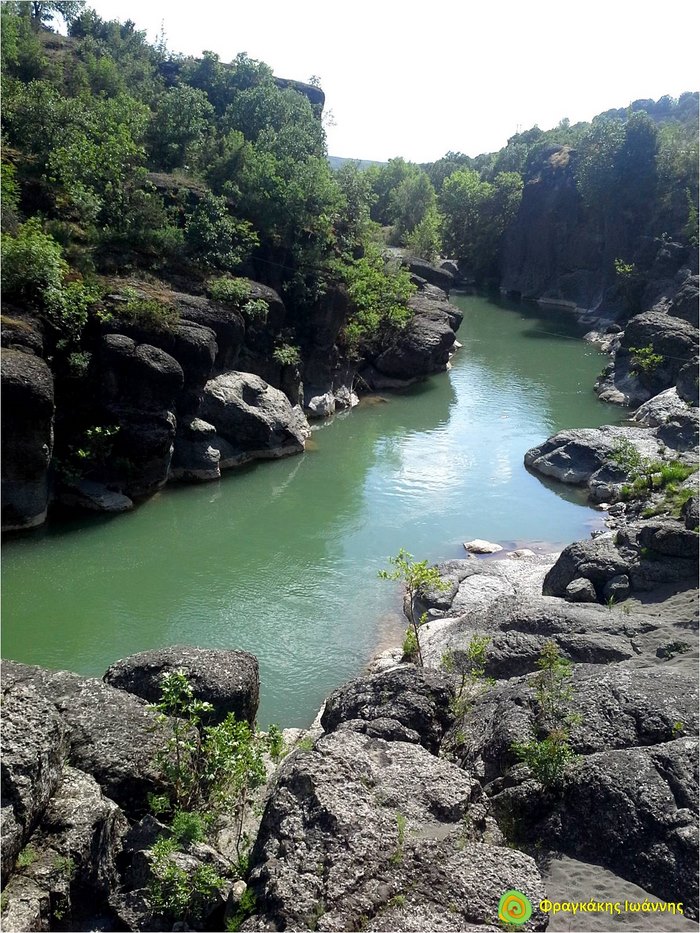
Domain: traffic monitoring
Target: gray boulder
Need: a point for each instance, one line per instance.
(580, 590)
(225, 678)
(409, 697)
(255, 420)
(195, 455)
(422, 347)
(34, 748)
(597, 560)
(111, 735)
(27, 439)
(436, 275)
(359, 826)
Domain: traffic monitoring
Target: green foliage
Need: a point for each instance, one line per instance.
(181, 119)
(424, 239)
(10, 198)
(471, 667)
(65, 865)
(188, 827)
(34, 271)
(275, 743)
(245, 908)
(417, 577)
(410, 644)
(27, 857)
(401, 823)
(233, 291)
(546, 758)
(176, 892)
(286, 355)
(644, 360)
(148, 313)
(215, 238)
(379, 300)
(208, 769)
(549, 751)
(626, 456)
(475, 216)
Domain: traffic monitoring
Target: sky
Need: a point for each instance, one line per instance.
(419, 80)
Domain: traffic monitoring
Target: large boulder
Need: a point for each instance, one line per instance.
(423, 347)
(34, 748)
(111, 734)
(225, 678)
(435, 275)
(254, 420)
(195, 455)
(673, 339)
(359, 826)
(139, 375)
(27, 438)
(73, 863)
(407, 703)
(685, 302)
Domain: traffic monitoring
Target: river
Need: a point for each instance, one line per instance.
(281, 558)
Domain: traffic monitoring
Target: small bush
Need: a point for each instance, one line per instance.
(643, 360)
(188, 827)
(287, 355)
(546, 758)
(149, 313)
(232, 291)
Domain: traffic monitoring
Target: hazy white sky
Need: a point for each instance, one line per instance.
(417, 80)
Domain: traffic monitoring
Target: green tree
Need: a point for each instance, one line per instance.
(180, 121)
(217, 239)
(417, 577)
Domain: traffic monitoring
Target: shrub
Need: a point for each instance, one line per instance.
(34, 271)
(148, 313)
(546, 758)
(287, 355)
(643, 360)
(175, 892)
(233, 291)
(417, 576)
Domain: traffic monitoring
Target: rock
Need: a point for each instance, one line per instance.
(687, 382)
(358, 822)
(145, 442)
(424, 346)
(580, 590)
(318, 403)
(254, 419)
(27, 439)
(684, 304)
(672, 338)
(670, 539)
(95, 497)
(616, 589)
(138, 375)
(479, 546)
(35, 745)
(586, 457)
(111, 734)
(436, 275)
(225, 322)
(195, 456)
(225, 678)
(660, 409)
(21, 331)
(415, 699)
(690, 514)
(521, 552)
(597, 560)
(649, 834)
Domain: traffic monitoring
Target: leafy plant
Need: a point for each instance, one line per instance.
(644, 360)
(176, 892)
(27, 857)
(471, 667)
(224, 288)
(287, 355)
(549, 750)
(246, 908)
(401, 823)
(417, 576)
(149, 313)
(188, 827)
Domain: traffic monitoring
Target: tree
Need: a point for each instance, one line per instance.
(417, 577)
(179, 123)
(43, 12)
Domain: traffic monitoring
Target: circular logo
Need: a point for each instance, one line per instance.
(514, 908)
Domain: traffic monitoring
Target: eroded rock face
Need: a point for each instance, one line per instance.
(227, 679)
(254, 420)
(27, 438)
(423, 347)
(359, 826)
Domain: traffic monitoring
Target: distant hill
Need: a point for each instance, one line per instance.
(336, 162)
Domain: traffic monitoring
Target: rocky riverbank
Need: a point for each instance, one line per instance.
(184, 400)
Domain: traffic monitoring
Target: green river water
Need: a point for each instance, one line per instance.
(281, 558)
